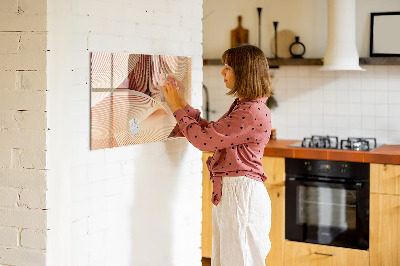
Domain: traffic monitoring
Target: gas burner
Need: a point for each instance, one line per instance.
(332, 142)
(327, 142)
(358, 144)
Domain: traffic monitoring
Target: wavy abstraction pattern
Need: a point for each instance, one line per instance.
(125, 93)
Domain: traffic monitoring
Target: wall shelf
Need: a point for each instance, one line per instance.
(274, 63)
(380, 61)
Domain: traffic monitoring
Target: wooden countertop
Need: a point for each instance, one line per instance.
(389, 154)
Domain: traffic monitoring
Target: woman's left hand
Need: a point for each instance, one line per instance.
(171, 95)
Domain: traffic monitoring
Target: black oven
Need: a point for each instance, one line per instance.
(327, 202)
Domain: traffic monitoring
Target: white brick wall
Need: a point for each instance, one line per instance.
(9, 237)
(109, 207)
(23, 132)
(136, 205)
(33, 239)
(8, 197)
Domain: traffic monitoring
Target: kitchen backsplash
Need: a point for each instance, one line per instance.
(314, 102)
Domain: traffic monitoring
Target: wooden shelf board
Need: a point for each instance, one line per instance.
(275, 62)
(380, 61)
(295, 61)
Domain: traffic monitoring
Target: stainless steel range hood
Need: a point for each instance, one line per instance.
(341, 51)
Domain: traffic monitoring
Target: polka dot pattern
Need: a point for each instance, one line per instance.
(238, 139)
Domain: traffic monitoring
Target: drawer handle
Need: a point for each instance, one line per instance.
(324, 254)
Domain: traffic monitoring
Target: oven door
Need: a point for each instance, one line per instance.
(327, 213)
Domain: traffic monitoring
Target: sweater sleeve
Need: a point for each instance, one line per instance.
(231, 130)
(193, 113)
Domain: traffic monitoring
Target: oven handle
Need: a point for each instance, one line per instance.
(357, 185)
(324, 254)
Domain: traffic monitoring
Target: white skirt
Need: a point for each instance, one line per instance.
(241, 223)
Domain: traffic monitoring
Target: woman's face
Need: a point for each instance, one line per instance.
(229, 76)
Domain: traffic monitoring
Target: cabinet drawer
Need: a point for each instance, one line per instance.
(304, 254)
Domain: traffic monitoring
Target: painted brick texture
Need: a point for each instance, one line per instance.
(23, 132)
(135, 205)
(33, 239)
(112, 206)
(9, 237)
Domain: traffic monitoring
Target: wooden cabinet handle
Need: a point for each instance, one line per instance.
(324, 254)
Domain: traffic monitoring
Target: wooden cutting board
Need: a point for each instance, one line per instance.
(239, 35)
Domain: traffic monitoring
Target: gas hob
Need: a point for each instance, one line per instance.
(332, 142)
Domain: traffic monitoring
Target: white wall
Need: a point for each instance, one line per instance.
(311, 102)
(305, 18)
(23, 133)
(344, 103)
(136, 205)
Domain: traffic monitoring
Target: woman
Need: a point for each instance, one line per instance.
(242, 211)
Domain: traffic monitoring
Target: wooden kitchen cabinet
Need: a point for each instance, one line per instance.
(274, 168)
(277, 233)
(206, 225)
(384, 236)
(385, 178)
(305, 254)
(385, 215)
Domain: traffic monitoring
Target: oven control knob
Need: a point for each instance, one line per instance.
(343, 168)
(308, 166)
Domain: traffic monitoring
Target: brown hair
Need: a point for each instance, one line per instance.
(250, 66)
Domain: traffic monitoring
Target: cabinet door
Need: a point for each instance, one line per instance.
(274, 168)
(304, 254)
(206, 226)
(277, 233)
(385, 178)
(384, 230)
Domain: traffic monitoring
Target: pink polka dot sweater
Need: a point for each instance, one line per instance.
(238, 139)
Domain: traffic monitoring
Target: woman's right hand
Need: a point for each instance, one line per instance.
(181, 89)
(170, 90)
